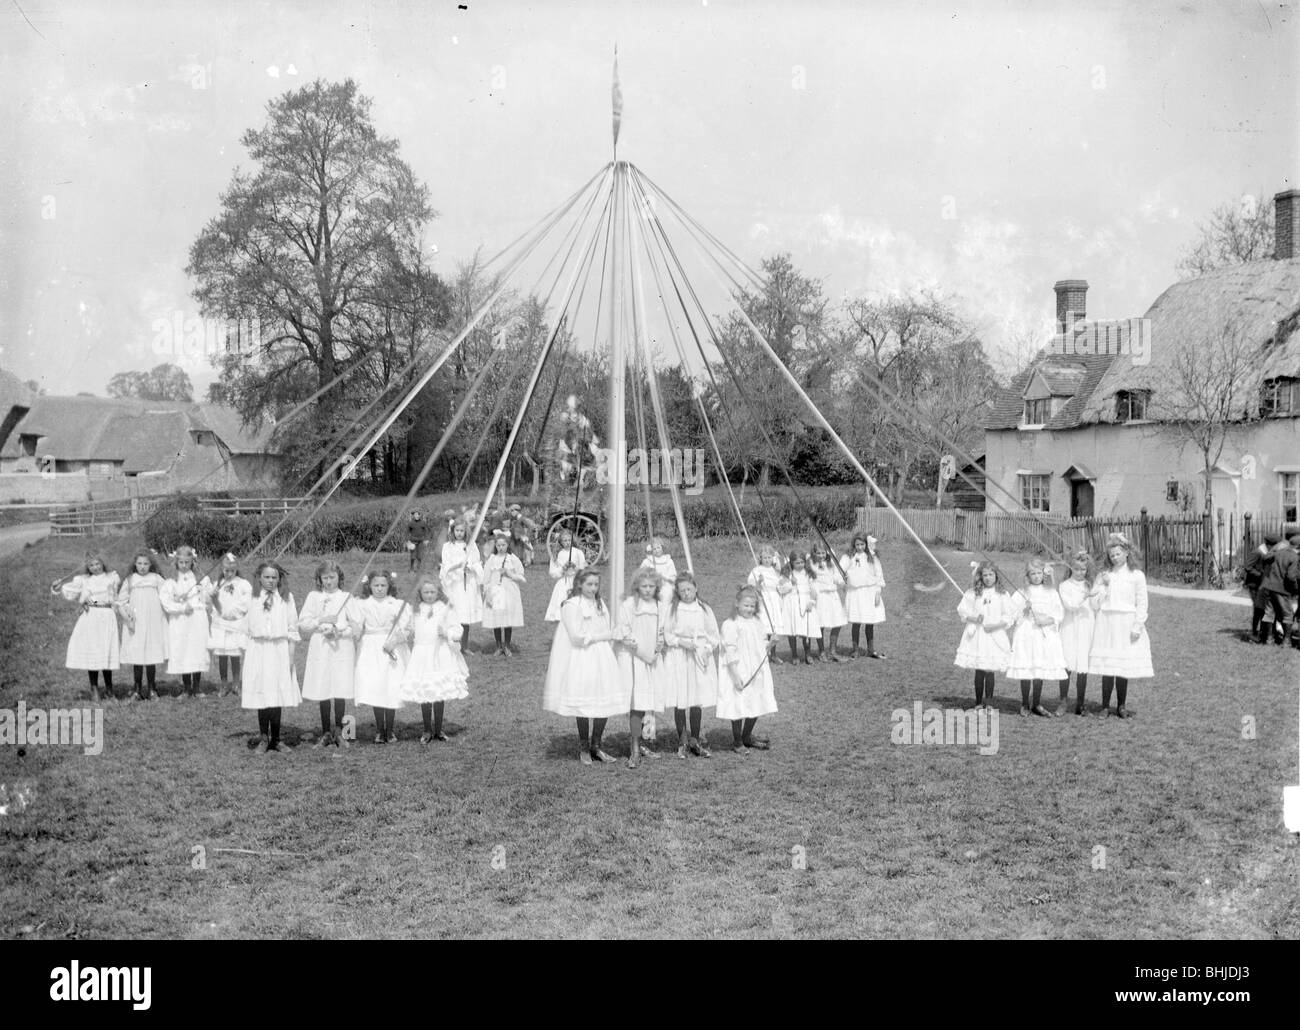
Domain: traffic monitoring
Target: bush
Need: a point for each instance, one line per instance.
(341, 529)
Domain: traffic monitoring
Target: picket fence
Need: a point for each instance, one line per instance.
(99, 516)
(1168, 545)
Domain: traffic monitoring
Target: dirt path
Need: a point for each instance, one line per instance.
(15, 538)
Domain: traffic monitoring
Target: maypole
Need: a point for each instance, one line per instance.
(617, 441)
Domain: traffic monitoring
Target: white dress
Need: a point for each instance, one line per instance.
(1078, 624)
(379, 673)
(185, 600)
(744, 648)
(987, 645)
(94, 642)
(582, 677)
(799, 621)
(1036, 650)
(228, 608)
(666, 570)
(330, 671)
(1121, 606)
(771, 609)
(826, 586)
(461, 573)
(691, 674)
(269, 677)
(564, 583)
(502, 605)
(436, 671)
(865, 580)
(642, 666)
(144, 626)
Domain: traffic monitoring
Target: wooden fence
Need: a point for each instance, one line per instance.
(1168, 545)
(91, 518)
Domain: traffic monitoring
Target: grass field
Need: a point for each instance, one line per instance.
(501, 833)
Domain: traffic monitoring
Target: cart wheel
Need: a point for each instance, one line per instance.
(586, 534)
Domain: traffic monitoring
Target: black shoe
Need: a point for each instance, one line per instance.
(757, 744)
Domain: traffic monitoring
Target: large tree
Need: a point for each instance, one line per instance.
(930, 364)
(1236, 232)
(305, 243)
(165, 382)
(790, 312)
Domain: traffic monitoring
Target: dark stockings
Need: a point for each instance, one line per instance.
(983, 685)
(151, 674)
(431, 713)
(590, 731)
(1120, 686)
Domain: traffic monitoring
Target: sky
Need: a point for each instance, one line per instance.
(982, 150)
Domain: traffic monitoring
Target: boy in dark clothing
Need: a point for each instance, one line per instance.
(417, 540)
(1253, 570)
(1280, 583)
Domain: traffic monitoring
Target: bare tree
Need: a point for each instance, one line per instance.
(925, 355)
(1237, 232)
(1207, 401)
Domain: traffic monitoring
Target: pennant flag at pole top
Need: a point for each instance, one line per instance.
(618, 101)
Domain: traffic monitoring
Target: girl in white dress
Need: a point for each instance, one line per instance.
(382, 653)
(1121, 649)
(461, 575)
(766, 578)
(690, 663)
(864, 604)
(827, 580)
(640, 649)
(565, 564)
(503, 608)
(436, 672)
(270, 683)
(745, 690)
(658, 560)
(799, 606)
(988, 610)
(1076, 628)
(227, 622)
(184, 598)
(332, 623)
(582, 679)
(1036, 653)
(144, 626)
(93, 646)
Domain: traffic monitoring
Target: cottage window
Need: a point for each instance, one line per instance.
(1290, 496)
(1279, 396)
(1131, 405)
(1035, 492)
(1037, 412)
(1171, 491)
(27, 444)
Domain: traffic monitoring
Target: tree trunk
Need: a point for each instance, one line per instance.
(764, 476)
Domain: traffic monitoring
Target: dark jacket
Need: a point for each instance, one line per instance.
(1253, 568)
(1282, 573)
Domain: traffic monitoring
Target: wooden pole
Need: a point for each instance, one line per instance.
(617, 441)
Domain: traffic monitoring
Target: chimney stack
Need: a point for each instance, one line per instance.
(1071, 303)
(1286, 210)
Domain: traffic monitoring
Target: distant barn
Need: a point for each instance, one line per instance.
(964, 495)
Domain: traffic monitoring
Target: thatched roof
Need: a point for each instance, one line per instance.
(145, 436)
(1260, 301)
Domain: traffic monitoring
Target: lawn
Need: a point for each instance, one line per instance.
(501, 832)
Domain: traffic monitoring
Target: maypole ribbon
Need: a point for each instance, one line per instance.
(617, 98)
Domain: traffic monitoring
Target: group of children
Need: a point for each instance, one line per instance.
(375, 649)
(1094, 624)
(1272, 577)
(654, 653)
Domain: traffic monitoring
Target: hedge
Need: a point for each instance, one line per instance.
(361, 527)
